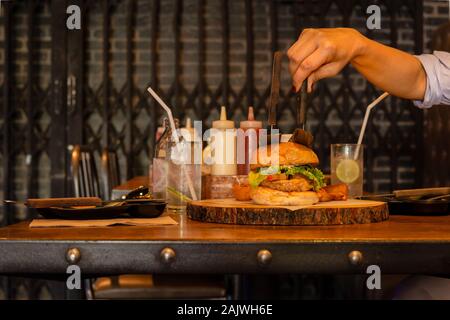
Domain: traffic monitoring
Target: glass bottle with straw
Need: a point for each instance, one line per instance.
(159, 164)
(180, 168)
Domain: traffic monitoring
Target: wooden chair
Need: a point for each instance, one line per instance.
(160, 287)
(110, 172)
(133, 286)
(84, 172)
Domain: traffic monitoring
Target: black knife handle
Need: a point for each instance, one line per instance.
(275, 88)
(302, 99)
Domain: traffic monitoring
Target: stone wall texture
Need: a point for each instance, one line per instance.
(435, 13)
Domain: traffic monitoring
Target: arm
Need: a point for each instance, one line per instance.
(322, 53)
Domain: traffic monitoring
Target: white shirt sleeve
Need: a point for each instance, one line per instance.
(437, 68)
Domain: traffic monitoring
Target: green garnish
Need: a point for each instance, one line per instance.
(255, 178)
(178, 194)
(311, 173)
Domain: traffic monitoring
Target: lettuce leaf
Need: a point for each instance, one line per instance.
(315, 175)
(255, 178)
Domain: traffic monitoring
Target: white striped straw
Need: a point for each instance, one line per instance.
(366, 118)
(175, 137)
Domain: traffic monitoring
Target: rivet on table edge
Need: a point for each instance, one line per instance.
(264, 257)
(73, 255)
(167, 255)
(355, 257)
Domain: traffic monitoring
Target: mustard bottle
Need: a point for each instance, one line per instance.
(223, 146)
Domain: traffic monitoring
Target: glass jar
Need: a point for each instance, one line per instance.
(184, 175)
(159, 165)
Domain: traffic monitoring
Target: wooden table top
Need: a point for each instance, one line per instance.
(396, 229)
(403, 244)
(408, 229)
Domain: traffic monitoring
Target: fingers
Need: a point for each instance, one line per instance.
(301, 49)
(315, 55)
(298, 55)
(298, 51)
(325, 71)
(309, 85)
(310, 64)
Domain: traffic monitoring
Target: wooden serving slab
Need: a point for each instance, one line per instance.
(232, 211)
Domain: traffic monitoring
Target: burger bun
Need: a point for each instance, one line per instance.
(267, 196)
(289, 153)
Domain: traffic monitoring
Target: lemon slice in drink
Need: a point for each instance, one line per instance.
(347, 170)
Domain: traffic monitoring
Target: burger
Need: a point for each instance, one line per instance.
(289, 179)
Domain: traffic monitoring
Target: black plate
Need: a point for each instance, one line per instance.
(415, 207)
(419, 207)
(138, 208)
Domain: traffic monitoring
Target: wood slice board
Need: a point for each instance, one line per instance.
(231, 211)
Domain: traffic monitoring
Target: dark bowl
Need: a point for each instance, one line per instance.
(143, 208)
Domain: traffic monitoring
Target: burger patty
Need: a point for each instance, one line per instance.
(276, 177)
(296, 184)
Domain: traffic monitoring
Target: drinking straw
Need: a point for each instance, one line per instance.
(169, 114)
(366, 118)
(175, 137)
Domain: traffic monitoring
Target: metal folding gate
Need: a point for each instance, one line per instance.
(62, 87)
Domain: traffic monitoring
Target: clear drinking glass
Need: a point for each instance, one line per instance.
(159, 178)
(347, 166)
(183, 177)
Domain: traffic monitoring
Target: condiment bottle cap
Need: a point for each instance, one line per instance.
(251, 122)
(223, 123)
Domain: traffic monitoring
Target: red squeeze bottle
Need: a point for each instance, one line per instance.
(249, 134)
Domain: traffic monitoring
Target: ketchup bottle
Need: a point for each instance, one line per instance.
(249, 134)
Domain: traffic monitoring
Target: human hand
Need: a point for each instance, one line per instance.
(322, 53)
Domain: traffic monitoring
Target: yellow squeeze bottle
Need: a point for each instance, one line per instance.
(223, 146)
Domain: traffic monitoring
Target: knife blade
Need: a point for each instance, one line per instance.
(302, 104)
(275, 89)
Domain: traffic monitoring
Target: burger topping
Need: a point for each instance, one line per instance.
(314, 175)
(292, 185)
(277, 177)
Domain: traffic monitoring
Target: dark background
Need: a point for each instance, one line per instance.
(88, 86)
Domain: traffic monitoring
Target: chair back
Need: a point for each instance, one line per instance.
(84, 172)
(110, 172)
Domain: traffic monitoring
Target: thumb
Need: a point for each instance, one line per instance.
(325, 71)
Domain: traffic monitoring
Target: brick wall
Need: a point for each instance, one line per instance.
(435, 13)
(41, 65)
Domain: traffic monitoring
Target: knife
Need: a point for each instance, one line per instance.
(302, 103)
(300, 135)
(53, 202)
(275, 89)
(406, 193)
